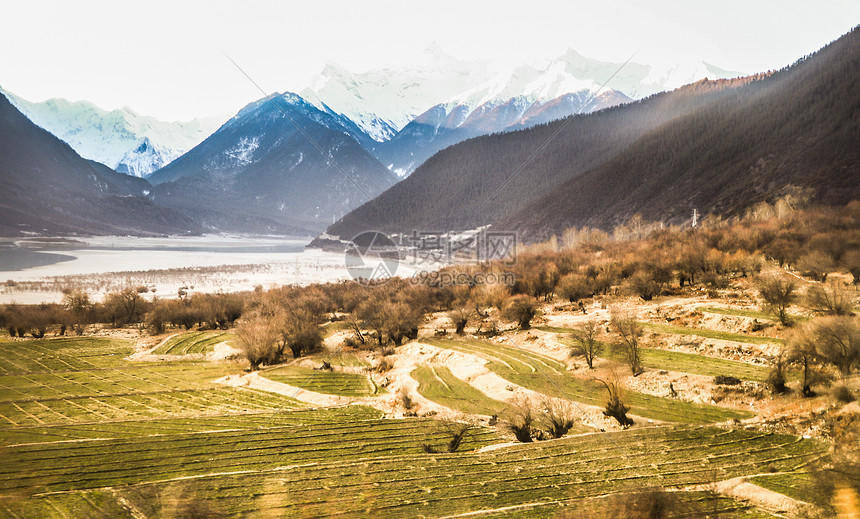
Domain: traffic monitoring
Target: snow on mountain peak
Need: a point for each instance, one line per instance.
(121, 139)
(382, 101)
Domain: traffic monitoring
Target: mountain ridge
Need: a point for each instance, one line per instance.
(50, 189)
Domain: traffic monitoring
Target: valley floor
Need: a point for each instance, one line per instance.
(126, 425)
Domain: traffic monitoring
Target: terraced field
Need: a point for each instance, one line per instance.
(217, 451)
(362, 470)
(683, 362)
(799, 485)
(438, 384)
(193, 342)
(710, 334)
(548, 376)
(321, 381)
(736, 312)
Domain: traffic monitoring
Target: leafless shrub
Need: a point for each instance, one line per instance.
(615, 407)
(776, 377)
(828, 299)
(453, 432)
(520, 419)
(629, 332)
(778, 295)
(521, 309)
(587, 342)
(557, 417)
(406, 400)
(843, 394)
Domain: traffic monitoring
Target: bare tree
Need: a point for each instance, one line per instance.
(78, 303)
(778, 294)
(629, 332)
(851, 261)
(574, 287)
(400, 321)
(816, 264)
(776, 377)
(299, 331)
(587, 343)
(258, 340)
(460, 315)
(828, 299)
(837, 341)
(802, 350)
(521, 309)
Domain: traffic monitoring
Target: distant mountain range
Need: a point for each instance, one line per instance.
(280, 164)
(415, 111)
(403, 115)
(120, 139)
(718, 146)
(49, 189)
(383, 101)
(535, 149)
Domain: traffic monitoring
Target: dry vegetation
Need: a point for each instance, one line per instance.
(747, 326)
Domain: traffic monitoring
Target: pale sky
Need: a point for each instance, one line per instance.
(164, 57)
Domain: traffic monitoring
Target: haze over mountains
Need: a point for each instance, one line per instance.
(537, 148)
(279, 164)
(49, 189)
(120, 139)
(715, 146)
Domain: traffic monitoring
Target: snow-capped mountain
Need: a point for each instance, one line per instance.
(383, 101)
(120, 139)
(413, 112)
(49, 189)
(279, 164)
(145, 159)
(450, 123)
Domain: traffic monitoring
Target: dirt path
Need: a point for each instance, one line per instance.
(741, 488)
(254, 380)
(144, 350)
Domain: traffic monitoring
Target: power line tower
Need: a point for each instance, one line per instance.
(695, 217)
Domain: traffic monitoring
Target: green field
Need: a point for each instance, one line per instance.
(548, 376)
(798, 485)
(736, 312)
(347, 360)
(193, 342)
(709, 334)
(438, 384)
(71, 381)
(376, 468)
(320, 381)
(687, 362)
(98, 436)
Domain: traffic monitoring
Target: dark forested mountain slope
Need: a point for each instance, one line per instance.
(280, 165)
(50, 189)
(444, 125)
(718, 146)
(798, 127)
(485, 179)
